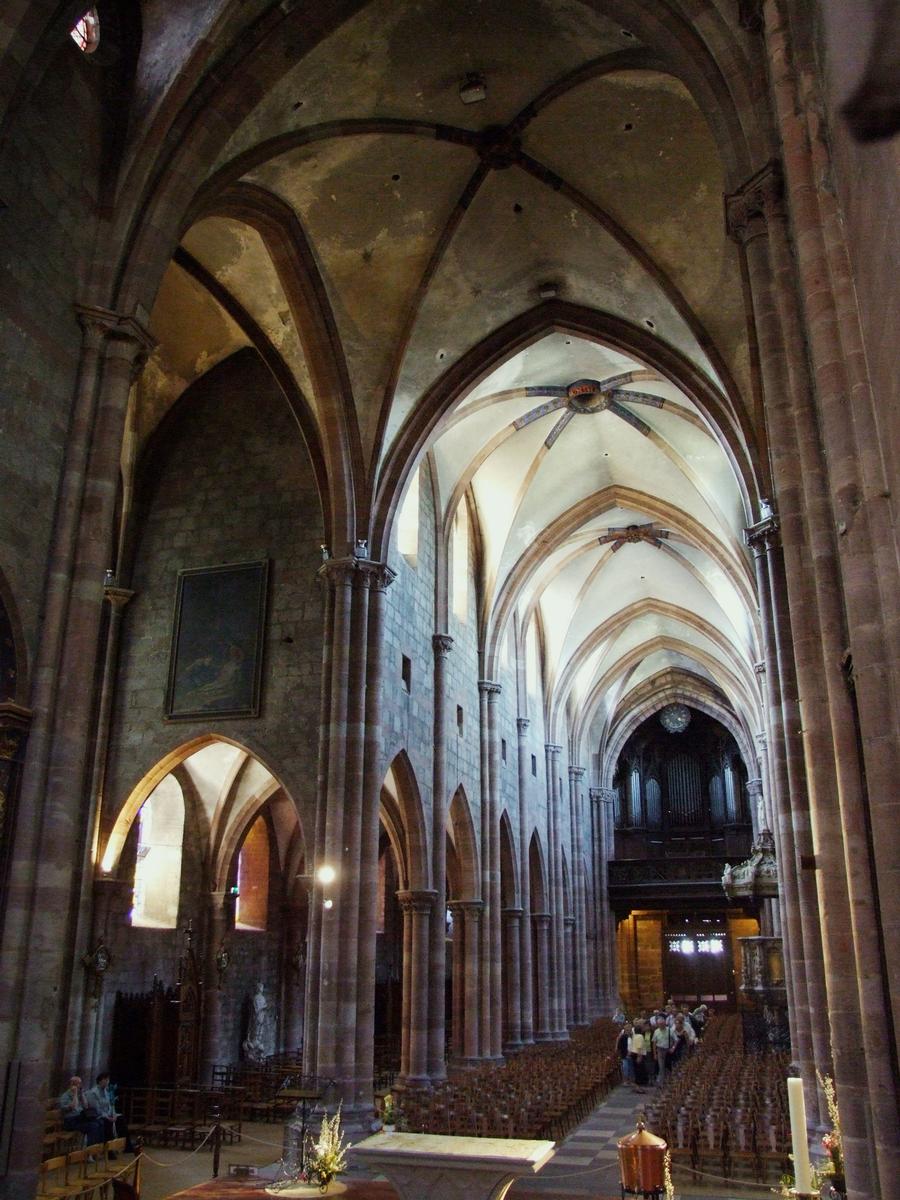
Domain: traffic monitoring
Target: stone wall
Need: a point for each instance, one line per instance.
(232, 483)
(48, 187)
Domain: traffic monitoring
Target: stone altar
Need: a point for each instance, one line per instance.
(452, 1168)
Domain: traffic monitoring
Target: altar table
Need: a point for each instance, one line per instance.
(451, 1168)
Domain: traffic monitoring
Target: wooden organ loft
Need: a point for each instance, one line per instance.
(683, 810)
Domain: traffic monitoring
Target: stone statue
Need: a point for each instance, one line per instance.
(259, 1041)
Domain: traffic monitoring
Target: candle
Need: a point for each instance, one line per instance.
(799, 1137)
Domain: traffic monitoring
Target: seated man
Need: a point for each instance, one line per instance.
(77, 1115)
(101, 1098)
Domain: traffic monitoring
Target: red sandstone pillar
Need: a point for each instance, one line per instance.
(836, 802)
(472, 1048)
(542, 932)
(417, 908)
(526, 991)
(457, 979)
(554, 875)
(437, 1069)
(380, 579)
(512, 919)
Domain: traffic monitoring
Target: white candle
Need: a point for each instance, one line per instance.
(799, 1136)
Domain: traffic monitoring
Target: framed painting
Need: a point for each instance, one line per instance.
(215, 665)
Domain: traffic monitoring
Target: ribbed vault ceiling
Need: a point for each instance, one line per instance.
(421, 226)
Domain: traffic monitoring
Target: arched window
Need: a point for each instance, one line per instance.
(253, 879)
(85, 33)
(408, 522)
(157, 870)
(459, 551)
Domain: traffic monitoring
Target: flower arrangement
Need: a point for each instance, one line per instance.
(326, 1157)
(668, 1185)
(832, 1143)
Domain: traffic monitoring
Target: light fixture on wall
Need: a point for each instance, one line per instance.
(326, 874)
(473, 88)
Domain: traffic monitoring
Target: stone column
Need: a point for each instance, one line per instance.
(554, 877)
(858, 582)
(458, 979)
(219, 918)
(380, 579)
(513, 921)
(794, 958)
(36, 958)
(417, 912)
(491, 951)
(315, 852)
(605, 799)
(580, 957)
(541, 923)
(437, 1069)
(347, 831)
(838, 801)
(472, 1048)
(117, 598)
(569, 953)
(527, 997)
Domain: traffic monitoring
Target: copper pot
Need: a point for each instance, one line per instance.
(642, 1159)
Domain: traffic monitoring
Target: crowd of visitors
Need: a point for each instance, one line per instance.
(652, 1045)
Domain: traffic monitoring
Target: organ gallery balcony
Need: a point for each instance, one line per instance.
(665, 882)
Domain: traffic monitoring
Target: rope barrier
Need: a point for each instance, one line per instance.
(189, 1154)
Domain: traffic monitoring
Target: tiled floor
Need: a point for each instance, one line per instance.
(585, 1164)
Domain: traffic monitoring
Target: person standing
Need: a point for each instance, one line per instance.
(622, 1049)
(638, 1047)
(662, 1048)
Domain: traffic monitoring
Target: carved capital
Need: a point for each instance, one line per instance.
(489, 687)
(522, 724)
(751, 207)
(345, 572)
(552, 748)
(541, 919)
(470, 910)
(442, 644)
(512, 914)
(124, 335)
(569, 922)
(417, 901)
(603, 795)
(762, 536)
(118, 597)
(576, 773)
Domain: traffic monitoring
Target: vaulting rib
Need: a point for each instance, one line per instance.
(542, 410)
(558, 428)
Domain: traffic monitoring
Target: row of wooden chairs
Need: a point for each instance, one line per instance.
(93, 1171)
(542, 1092)
(723, 1111)
(183, 1117)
